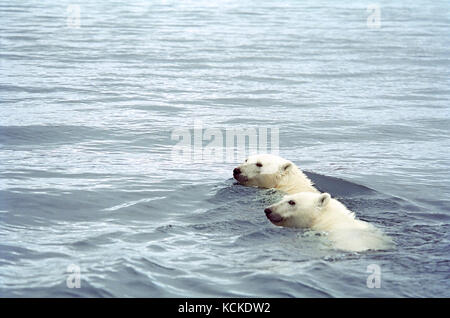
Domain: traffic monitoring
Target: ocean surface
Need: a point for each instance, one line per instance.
(92, 195)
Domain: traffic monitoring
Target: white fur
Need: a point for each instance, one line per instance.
(321, 213)
(275, 172)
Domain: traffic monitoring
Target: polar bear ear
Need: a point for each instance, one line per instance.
(286, 166)
(323, 200)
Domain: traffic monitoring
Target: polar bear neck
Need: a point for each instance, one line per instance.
(337, 216)
(347, 232)
(295, 181)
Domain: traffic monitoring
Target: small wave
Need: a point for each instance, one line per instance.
(131, 203)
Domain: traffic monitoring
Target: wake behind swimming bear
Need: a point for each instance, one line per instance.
(321, 213)
(270, 171)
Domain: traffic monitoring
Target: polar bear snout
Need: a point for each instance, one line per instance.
(239, 176)
(273, 217)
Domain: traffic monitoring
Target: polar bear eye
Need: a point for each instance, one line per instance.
(259, 164)
(291, 202)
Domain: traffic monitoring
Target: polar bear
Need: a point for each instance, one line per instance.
(270, 171)
(319, 212)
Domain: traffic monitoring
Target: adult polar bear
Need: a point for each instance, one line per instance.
(319, 212)
(270, 171)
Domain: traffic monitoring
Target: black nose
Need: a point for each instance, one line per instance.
(267, 211)
(236, 171)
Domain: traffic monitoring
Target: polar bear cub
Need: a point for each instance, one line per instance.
(270, 171)
(321, 213)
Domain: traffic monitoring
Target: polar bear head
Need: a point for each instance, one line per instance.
(264, 171)
(298, 210)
